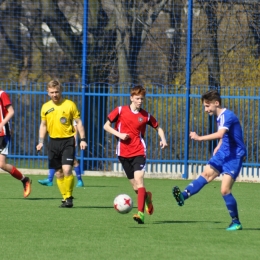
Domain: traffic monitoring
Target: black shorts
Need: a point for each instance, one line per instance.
(132, 164)
(4, 143)
(61, 151)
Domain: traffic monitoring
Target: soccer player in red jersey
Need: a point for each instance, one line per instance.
(130, 125)
(6, 113)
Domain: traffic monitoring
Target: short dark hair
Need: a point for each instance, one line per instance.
(211, 95)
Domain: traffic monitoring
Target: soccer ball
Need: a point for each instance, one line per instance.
(123, 203)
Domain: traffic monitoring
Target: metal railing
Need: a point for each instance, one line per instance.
(166, 103)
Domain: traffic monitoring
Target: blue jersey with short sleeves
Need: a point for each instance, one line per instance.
(232, 141)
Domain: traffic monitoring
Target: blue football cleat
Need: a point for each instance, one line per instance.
(46, 182)
(176, 192)
(234, 226)
(80, 184)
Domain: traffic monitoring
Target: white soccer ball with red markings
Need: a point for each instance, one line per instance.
(123, 203)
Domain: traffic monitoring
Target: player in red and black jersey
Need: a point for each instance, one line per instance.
(6, 113)
(130, 125)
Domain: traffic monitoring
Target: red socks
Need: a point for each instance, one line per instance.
(141, 198)
(16, 174)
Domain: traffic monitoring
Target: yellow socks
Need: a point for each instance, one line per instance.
(61, 185)
(69, 184)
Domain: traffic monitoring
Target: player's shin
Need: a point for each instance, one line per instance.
(69, 184)
(61, 186)
(231, 205)
(194, 187)
(77, 171)
(141, 198)
(51, 174)
(16, 173)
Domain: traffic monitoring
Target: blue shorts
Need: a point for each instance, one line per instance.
(226, 164)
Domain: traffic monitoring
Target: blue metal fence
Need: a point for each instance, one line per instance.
(167, 103)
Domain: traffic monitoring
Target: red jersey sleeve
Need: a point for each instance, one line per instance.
(152, 122)
(113, 116)
(5, 99)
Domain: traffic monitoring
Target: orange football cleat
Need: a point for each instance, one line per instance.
(148, 203)
(26, 187)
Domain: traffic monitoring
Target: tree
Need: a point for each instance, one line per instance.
(175, 35)
(11, 12)
(134, 20)
(254, 26)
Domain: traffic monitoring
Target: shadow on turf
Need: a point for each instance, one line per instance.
(92, 186)
(244, 229)
(98, 186)
(139, 226)
(33, 198)
(250, 229)
(95, 207)
(183, 221)
(92, 207)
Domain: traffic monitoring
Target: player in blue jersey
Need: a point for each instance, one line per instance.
(227, 156)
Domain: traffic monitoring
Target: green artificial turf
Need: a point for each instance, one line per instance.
(36, 228)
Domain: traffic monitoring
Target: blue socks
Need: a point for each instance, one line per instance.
(78, 173)
(231, 205)
(76, 168)
(51, 174)
(194, 187)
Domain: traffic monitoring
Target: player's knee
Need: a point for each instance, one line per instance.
(75, 163)
(225, 191)
(2, 166)
(59, 174)
(207, 175)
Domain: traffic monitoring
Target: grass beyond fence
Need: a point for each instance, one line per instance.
(35, 228)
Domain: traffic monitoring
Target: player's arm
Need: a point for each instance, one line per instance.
(76, 131)
(153, 123)
(218, 135)
(81, 132)
(9, 115)
(163, 142)
(42, 133)
(108, 127)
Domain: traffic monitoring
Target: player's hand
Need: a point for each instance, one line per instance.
(39, 147)
(194, 136)
(163, 144)
(124, 136)
(83, 145)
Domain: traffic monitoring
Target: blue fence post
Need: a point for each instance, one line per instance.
(84, 72)
(188, 76)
